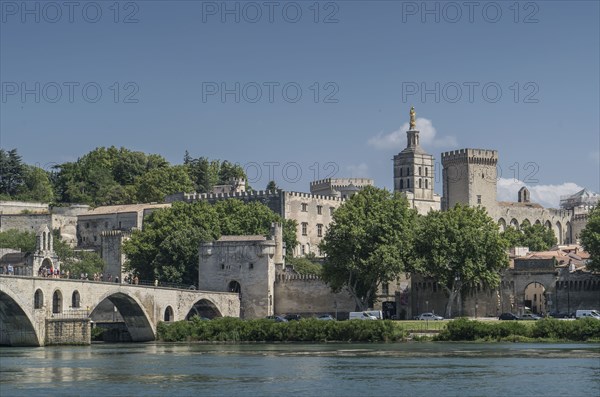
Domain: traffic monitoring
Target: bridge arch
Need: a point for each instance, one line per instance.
(204, 308)
(16, 326)
(134, 315)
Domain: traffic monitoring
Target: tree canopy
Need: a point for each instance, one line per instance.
(108, 176)
(459, 249)
(590, 239)
(369, 242)
(535, 237)
(167, 248)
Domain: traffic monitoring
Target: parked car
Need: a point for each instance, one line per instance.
(530, 316)
(429, 316)
(587, 314)
(292, 317)
(561, 315)
(508, 316)
(277, 319)
(326, 317)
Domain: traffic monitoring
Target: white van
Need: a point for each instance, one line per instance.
(587, 313)
(375, 313)
(361, 316)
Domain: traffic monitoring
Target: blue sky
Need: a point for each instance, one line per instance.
(222, 80)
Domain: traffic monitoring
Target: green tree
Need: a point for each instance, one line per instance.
(160, 182)
(25, 241)
(99, 176)
(535, 237)
(460, 249)
(369, 242)
(36, 186)
(590, 239)
(86, 262)
(304, 265)
(12, 172)
(167, 248)
(271, 186)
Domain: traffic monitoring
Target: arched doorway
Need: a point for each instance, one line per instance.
(57, 302)
(235, 287)
(46, 268)
(169, 314)
(535, 298)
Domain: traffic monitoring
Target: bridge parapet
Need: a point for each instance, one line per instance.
(27, 303)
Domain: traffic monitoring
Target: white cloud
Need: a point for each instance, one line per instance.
(358, 171)
(546, 195)
(427, 133)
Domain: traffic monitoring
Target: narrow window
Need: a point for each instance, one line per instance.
(319, 209)
(408, 183)
(331, 211)
(420, 183)
(426, 187)
(478, 199)
(319, 230)
(419, 171)
(304, 228)
(304, 207)
(401, 184)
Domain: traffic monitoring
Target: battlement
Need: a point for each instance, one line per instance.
(256, 194)
(342, 182)
(285, 278)
(192, 197)
(113, 233)
(315, 196)
(471, 156)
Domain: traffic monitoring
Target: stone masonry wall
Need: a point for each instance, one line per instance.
(68, 331)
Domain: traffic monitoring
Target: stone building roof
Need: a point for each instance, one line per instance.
(516, 204)
(113, 209)
(243, 238)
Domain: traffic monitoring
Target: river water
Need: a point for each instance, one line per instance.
(403, 369)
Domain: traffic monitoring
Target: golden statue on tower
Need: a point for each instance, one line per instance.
(413, 117)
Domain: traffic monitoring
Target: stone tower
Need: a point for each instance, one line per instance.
(469, 177)
(414, 172)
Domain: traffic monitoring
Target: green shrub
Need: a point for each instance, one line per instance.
(263, 330)
(466, 330)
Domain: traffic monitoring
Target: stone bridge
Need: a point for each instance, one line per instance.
(28, 304)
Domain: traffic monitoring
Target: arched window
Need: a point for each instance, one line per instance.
(419, 170)
(75, 300)
(401, 183)
(426, 184)
(420, 183)
(169, 314)
(426, 171)
(57, 302)
(408, 183)
(38, 299)
(401, 171)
